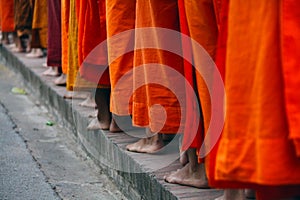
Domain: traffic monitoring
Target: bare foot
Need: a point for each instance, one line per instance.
(190, 176)
(52, 71)
(89, 102)
(94, 125)
(147, 145)
(61, 80)
(114, 128)
(35, 53)
(230, 194)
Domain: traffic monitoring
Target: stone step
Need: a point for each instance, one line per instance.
(138, 176)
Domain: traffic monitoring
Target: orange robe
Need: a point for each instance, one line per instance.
(65, 12)
(120, 17)
(40, 21)
(202, 28)
(258, 147)
(22, 17)
(92, 31)
(290, 54)
(160, 14)
(7, 16)
(191, 138)
(73, 65)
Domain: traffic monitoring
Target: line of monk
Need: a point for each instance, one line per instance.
(239, 59)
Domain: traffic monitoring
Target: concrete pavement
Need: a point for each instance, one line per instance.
(42, 162)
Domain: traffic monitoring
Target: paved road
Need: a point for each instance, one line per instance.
(20, 176)
(39, 161)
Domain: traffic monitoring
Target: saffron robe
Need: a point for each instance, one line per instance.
(203, 29)
(158, 14)
(7, 16)
(40, 23)
(120, 17)
(91, 32)
(73, 65)
(65, 12)
(258, 147)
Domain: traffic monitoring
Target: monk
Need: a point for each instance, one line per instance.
(70, 43)
(91, 32)
(203, 29)
(23, 24)
(145, 112)
(39, 29)
(54, 41)
(120, 17)
(259, 144)
(7, 19)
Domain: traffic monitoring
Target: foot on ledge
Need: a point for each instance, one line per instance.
(147, 145)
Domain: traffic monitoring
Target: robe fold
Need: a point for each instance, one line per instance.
(203, 29)
(92, 31)
(40, 23)
(120, 17)
(258, 148)
(158, 14)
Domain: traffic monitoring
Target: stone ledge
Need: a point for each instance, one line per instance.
(105, 148)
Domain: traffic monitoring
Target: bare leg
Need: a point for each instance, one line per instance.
(147, 145)
(232, 194)
(103, 117)
(192, 174)
(183, 159)
(5, 39)
(13, 45)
